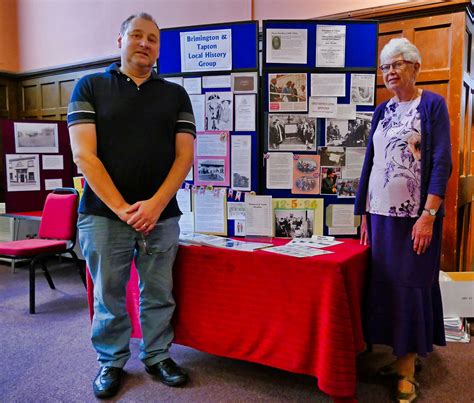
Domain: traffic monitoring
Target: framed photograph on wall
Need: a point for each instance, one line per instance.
(36, 137)
(23, 172)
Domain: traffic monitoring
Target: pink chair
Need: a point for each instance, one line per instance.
(56, 236)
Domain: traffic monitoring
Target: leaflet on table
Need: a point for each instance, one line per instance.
(297, 250)
(229, 243)
(313, 243)
(221, 242)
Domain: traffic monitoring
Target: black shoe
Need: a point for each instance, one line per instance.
(107, 382)
(168, 372)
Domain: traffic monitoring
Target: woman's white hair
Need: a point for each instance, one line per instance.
(400, 46)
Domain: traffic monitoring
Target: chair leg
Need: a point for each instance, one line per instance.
(80, 269)
(47, 275)
(32, 287)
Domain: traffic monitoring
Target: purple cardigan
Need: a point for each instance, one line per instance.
(436, 164)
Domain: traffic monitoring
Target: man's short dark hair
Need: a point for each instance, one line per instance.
(126, 23)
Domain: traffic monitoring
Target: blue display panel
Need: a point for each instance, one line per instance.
(244, 59)
(244, 46)
(360, 57)
(361, 43)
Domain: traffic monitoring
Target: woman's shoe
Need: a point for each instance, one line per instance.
(407, 397)
(390, 370)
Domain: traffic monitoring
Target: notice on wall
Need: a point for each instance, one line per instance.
(206, 50)
(210, 211)
(289, 46)
(330, 45)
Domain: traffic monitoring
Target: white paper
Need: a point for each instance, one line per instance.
(192, 85)
(241, 174)
(342, 230)
(230, 243)
(206, 50)
(198, 103)
(245, 111)
(258, 215)
(297, 251)
(190, 175)
(354, 161)
(346, 111)
(211, 145)
(176, 80)
(330, 45)
(186, 222)
(328, 85)
(322, 107)
(313, 243)
(280, 171)
(183, 197)
(52, 162)
(50, 184)
(236, 211)
(216, 81)
(362, 89)
(289, 46)
(209, 211)
(342, 215)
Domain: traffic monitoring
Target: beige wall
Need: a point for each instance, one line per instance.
(59, 32)
(9, 60)
(306, 9)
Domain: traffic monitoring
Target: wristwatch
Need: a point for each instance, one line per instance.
(431, 211)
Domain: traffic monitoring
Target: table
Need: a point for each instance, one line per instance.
(299, 315)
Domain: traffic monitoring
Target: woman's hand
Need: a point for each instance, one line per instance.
(364, 236)
(422, 233)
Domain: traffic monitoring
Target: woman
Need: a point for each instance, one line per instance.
(400, 198)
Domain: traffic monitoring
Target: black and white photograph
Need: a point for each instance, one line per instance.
(347, 188)
(288, 92)
(349, 133)
(211, 170)
(295, 223)
(332, 156)
(329, 176)
(363, 89)
(291, 132)
(240, 181)
(22, 172)
(36, 137)
(358, 130)
(219, 111)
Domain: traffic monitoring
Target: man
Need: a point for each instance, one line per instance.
(276, 136)
(328, 184)
(132, 136)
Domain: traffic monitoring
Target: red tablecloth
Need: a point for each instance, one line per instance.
(299, 315)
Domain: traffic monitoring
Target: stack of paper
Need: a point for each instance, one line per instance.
(457, 329)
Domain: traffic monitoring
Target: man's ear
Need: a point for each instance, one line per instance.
(119, 41)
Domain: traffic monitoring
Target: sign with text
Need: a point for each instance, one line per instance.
(206, 50)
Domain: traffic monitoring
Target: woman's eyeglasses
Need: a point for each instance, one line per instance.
(398, 65)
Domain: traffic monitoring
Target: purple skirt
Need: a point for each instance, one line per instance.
(403, 306)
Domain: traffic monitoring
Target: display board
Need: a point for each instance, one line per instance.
(37, 158)
(318, 96)
(218, 66)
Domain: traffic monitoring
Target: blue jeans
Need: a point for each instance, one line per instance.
(109, 247)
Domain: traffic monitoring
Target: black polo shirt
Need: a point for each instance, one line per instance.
(136, 131)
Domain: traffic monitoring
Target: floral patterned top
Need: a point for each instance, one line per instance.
(395, 180)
